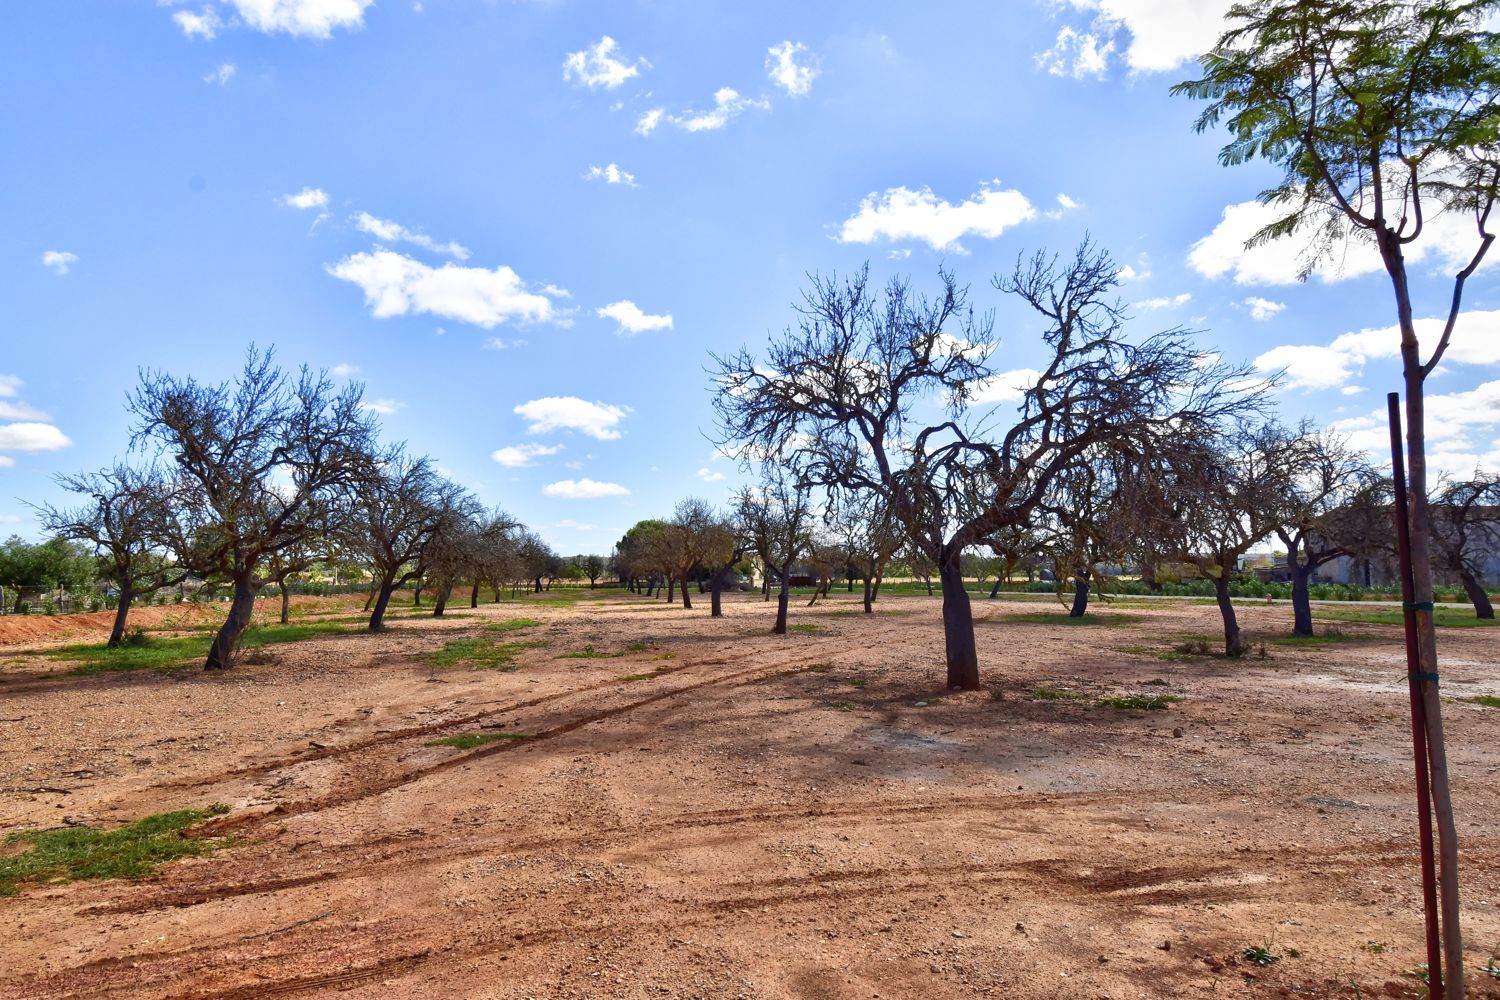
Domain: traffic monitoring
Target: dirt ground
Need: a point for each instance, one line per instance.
(705, 810)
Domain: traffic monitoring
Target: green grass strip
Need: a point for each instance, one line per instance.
(131, 851)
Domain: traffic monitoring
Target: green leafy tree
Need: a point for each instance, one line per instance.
(1381, 116)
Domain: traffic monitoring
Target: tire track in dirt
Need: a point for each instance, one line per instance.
(1188, 881)
(251, 821)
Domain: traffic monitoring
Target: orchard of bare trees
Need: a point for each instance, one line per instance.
(245, 484)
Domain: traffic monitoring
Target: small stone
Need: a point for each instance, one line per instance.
(1177, 733)
(1164, 946)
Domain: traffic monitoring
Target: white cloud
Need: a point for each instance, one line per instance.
(903, 253)
(1463, 431)
(1067, 202)
(1005, 387)
(204, 24)
(1163, 302)
(497, 344)
(302, 18)
(32, 437)
(632, 320)
(568, 524)
(708, 475)
(384, 407)
(308, 197)
(555, 413)
(1077, 54)
(10, 385)
(1262, 309)
(1164, 34)
(6, 462)
(1448, 239)
(222, 75)
(1314, 366)
(900, 213)
(784, 70)
(20, 411)
(395, 285)
(8, 518)
(599, 65)
(728, 105)
(344, 370)
(648, 121)
(584, 489)
(519, 455)
(1351, 390)
(59, 260)
(392, 232)
(611, 174)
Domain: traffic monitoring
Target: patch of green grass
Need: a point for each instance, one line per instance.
(1140, 702)
(468, 741)
(1062, 618)
(513, 625)
(1487, 700)
(1056, 694)
(805, 628)
(637, 647)
(1260, 954)
(858, 682)
(481, 654)
(588, 652)
(1442, 617)
(142, 652)
(131, 851)
(818, 668)
(841, 706)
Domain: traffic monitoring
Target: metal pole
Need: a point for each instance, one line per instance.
(1418, 706)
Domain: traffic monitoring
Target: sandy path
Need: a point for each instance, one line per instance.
(804, 816)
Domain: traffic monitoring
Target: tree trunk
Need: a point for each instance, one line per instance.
(995, 590)
(474, 595)
(1080, 595)
(929, 586)
(671, 589)
(441, 604)
(286, 602)
(369, 600)
(687, 602)
(377, 617)
(416, 596)
(1419, 538)
(1302, 620)
(117, 633)
(221, 653)
(875, 591)
(958, 626)
(715, 589)
(1477, 596)
(538, 589)
(869, 597)
(765, 586)
(1232, 646)
(783, 597)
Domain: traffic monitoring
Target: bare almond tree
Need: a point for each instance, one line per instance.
(775, 517)
(259, 463)
(848, 390)
(1315, 513)
(127, 518)
(1466, 534)
(397, 511)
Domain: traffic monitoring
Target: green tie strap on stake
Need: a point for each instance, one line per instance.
(1424, 677)
(1417, 605)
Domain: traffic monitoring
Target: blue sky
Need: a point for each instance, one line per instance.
(524, 225)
